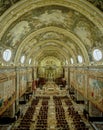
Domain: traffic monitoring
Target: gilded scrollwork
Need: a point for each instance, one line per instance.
(5, 4)
(97, 3)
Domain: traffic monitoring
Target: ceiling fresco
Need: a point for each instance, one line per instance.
(37, 32)
(5, 4)
(51, 16)
(36, 19)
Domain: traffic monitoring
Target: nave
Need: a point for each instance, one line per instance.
(51, 40)
(52, 112)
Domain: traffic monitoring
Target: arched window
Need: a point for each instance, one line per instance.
(7, 55)
(22, 59)
(71, 60)
(97, 54)
(29, 61)
(66, 62)
(80, 59)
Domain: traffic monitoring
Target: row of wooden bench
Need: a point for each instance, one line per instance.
(27, 118)
(42, 118)
(61, 123)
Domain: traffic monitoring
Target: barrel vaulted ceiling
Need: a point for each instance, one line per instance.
(51, 29)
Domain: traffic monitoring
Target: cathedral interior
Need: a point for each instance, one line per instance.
(51, 64)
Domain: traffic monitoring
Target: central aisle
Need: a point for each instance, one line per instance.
(51, 114)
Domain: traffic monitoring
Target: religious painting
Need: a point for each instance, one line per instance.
(18, 32)
(36, 19)
(1, 93)
(22, 84)
(52, 15)
(95, 90)
(9, 89)
(80, 82)
(83, 31)
(72, 80)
